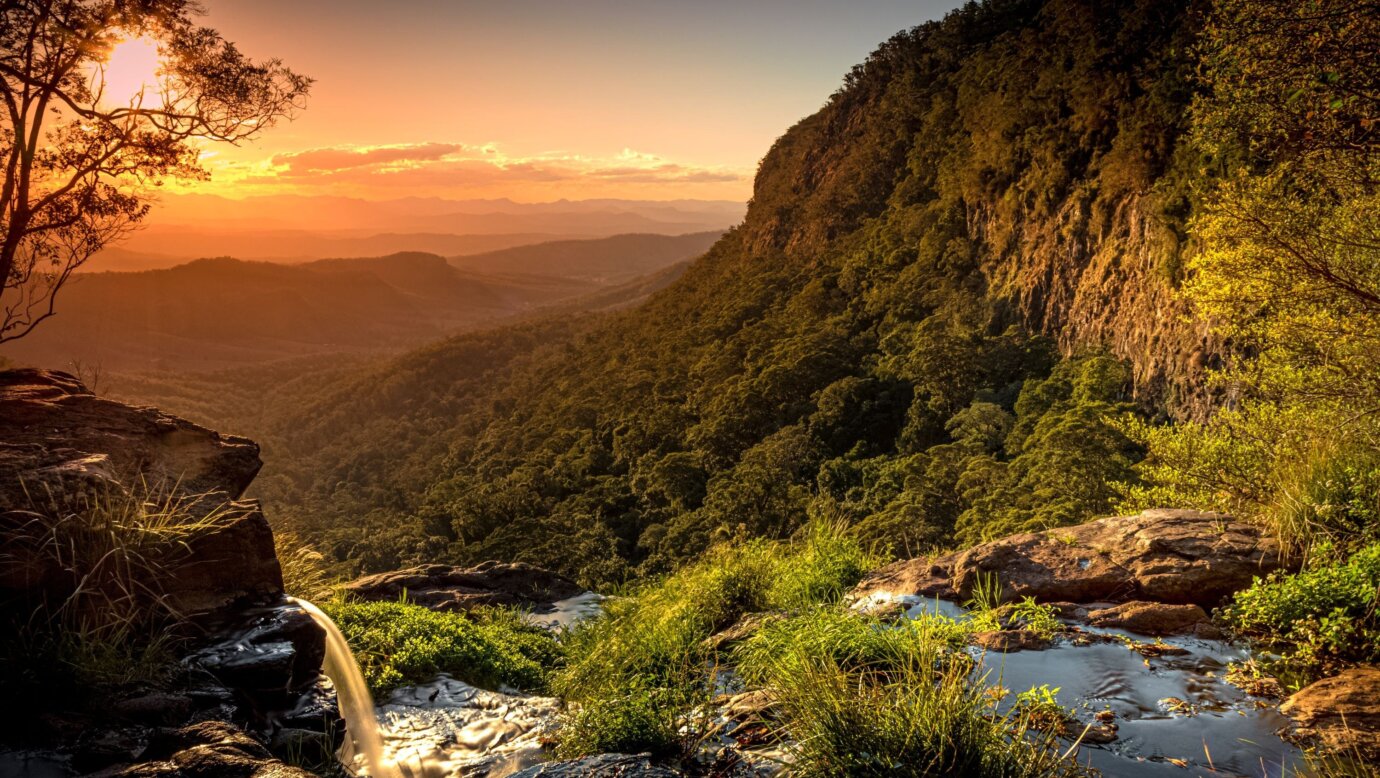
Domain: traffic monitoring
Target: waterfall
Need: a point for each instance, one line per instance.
(356, 704)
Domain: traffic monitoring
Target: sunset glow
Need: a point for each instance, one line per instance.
(130, 73)
(542, 100)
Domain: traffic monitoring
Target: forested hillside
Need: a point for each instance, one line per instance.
(969, 297)
(952, 283)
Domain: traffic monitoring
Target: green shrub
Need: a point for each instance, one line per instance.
(397, 643)
(636, 672)
(850, 640)
(1320, 616)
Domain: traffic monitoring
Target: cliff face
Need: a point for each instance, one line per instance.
(1054, 130)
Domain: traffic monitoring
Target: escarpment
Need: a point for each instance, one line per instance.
(1055, 130)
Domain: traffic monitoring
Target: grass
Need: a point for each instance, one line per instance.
(638, 672)
(100, 616)
(857, 698)
(397, 643)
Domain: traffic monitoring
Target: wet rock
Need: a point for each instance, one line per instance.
(446, 588)
(747, 706)
(740, 631)
(1171, 556)
(100, 748)
(265, 650)
(158, 708)
(1343, 712)
(1152, 618)
(602, 766)
(212, 749)
(1009, 640)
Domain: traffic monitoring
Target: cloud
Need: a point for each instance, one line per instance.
(462, 169)
(335, 159)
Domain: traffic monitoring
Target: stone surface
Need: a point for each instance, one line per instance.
(1169, 556)
(1009, 640)
(1342, 712)
(741, 630)
(447, 588)
(57, 434)
(211, 749)
(603, 766)
(1151, 618)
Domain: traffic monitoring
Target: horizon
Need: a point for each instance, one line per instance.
(601, 114)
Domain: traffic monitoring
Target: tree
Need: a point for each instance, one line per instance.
(81, 163)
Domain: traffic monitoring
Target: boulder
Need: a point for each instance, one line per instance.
(1154, 618)
(1168, 556)
(210, 749)
(602, 766)
(1008, 641)
(1342, 712)
(446, 588)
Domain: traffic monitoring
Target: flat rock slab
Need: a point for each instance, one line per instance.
(446, 588)
(56, 436)
(1166, 556)
(1343, 712)
(603, 766)
(1156, 619)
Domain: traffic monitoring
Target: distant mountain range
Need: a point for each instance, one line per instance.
(214, 313)
(290, 228)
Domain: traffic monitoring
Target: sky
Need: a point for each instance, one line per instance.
(537, 100)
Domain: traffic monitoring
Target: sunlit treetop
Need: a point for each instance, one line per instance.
(104, 100)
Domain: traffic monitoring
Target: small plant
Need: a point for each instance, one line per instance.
(856, 701)
(1026, 614)
(1318, 618)
(101, 616)
(637, 674)
(1040, 710)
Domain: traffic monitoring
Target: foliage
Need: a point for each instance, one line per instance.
(101, 620)
(80, 164)
(638, 670)
(1325, 614)
(397, 643)
(304, 568)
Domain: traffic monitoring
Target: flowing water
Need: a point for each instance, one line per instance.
(356, 703)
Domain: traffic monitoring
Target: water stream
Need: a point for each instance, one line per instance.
(356, 703)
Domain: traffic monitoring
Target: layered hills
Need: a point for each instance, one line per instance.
(223, 312)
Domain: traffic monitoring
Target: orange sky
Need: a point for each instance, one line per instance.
(537, 100)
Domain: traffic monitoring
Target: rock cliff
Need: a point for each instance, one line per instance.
(248, 673)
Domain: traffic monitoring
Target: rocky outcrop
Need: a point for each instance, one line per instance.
(1166, 556)
(63, 450)
(446, 588)
(58, 440)
(210, 749)
(74, 468)
(1342, 712)
(603, 766)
